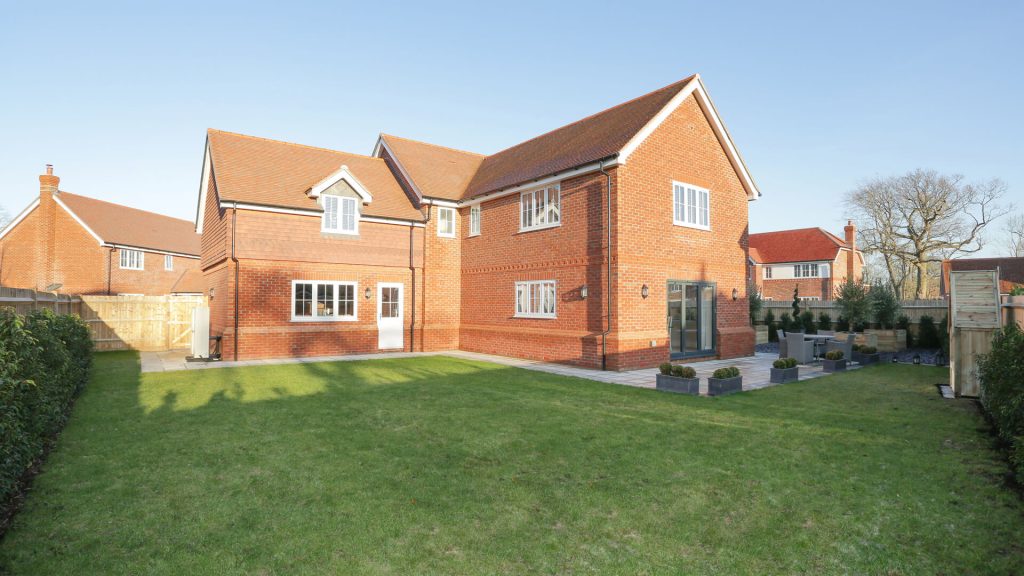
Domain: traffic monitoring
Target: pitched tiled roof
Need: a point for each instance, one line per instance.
(588, 140)
(437, 171)
(1011, 270)
(190, 282)
(274, 173)
(116, 224)
(803, 245)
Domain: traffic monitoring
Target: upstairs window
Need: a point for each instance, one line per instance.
(341, 215)
(314, 300)
(691, 206)
(540, 208)
(474, 220)
(536, 299)
(768, 272)
(805, 271)
(446, 222)
(168, 262)
(132, 259)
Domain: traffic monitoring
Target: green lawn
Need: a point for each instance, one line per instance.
(444, 466)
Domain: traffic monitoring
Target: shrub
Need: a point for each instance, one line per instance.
(824, 321)
(44, 362)
(852, 300)
(868, 350)
(903, 323)
(687, 372)
(884, 305)
(807, 322)
(769, 320)
(834, 355)
(1001, 373)
(756, 301)
(785, 323)
(855, 347)
(1017, 291)
(783, 363)
(842, 324)
(665, 368)
(927, 333)
(943, 331)
(723, 373)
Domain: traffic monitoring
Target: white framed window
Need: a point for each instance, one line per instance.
(474, 220)
(541, 208)
(810, 298)
(168, 262)
(323, 301)
(132, 259)
(536, 299)
(768, 272)
(446, 222)
(805, 271)
(341, 214)
(691, 206)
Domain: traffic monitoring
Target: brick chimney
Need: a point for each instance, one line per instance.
(46, 244)
(851, 242)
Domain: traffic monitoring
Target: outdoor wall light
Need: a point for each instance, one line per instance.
(583, 292)
(367, 293)
(917, 358)
(645, 292)
(735, 293)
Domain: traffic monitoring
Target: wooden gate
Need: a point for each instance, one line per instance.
(149, 323)
(974, 317)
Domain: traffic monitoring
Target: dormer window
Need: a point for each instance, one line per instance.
(341, 214)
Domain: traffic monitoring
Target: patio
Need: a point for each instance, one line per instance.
(755, 369)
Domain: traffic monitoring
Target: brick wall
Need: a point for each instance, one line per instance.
(153, 280)
(18, 263)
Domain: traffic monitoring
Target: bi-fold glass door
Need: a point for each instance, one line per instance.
(691, 318)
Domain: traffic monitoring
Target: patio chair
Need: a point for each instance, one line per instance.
(782, 344)
(797, 347)
(846, 347)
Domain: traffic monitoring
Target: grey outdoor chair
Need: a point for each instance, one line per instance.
(797, 347)
(782, 344)
(846, 347)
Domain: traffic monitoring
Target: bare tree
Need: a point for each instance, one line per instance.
(916, 220)
(1014, 229)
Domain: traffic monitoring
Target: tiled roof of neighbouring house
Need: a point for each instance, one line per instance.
(802, 245)
(117, 224)
(256, 170)
(1011, 270)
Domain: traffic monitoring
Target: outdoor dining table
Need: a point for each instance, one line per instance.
(819, 341)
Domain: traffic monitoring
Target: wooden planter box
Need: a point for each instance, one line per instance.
(833, 365)
(783, 375)
(888, 340)
(667, 383)
(760, 334)
(865, 359)
(722, 386)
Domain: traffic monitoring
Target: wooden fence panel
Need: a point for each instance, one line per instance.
(914, 309)
(149, 323)
(975, 316)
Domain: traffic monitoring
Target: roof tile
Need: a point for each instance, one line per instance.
(802, 245)
(117, 224)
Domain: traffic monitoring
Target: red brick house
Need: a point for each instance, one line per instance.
(619, 240)
(813, 259)
(88, 246)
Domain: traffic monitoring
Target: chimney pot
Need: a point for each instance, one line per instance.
(49, 169)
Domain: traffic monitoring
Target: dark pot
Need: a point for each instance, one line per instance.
(866, 358)
(783, 375)
(668, 383)
(833, 365)
(722, 386)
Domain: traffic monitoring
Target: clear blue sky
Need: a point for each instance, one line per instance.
(818, 98)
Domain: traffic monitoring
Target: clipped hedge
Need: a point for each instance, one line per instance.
(724, 373)
(1001, 372)
(44, 362)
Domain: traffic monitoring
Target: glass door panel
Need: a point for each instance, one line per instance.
(691, 318)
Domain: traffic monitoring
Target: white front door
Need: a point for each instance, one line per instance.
(389, 316)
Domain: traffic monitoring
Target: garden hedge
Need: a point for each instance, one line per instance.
(1002, 391)
(44, 362)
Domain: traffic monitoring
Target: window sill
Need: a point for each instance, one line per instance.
(338, 233)
(536, 228)
(535, 317)
(446, 235)
(472, 235)
(688, 225)
(134, 269)
(325, 319)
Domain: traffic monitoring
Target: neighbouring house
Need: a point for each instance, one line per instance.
(1011, 271)
(617, 241)
(72, 244)
(811, 259)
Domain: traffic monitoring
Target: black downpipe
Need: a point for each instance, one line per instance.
(608, 297)
(412, 272)
(110, 265)
(426, 223)
(234, 220)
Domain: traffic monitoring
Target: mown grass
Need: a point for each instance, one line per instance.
(445, 466)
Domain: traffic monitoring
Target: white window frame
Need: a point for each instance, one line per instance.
(336, 318)
(767, 270)
(548, 216)
(127, 260)
(168, 262)
(474, 220)
(806, 271)
(524, 299)
(340, 203)
(809, 298)
(690, 205)
(441, 211)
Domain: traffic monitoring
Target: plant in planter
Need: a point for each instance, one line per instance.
(681, 379)
(725, 381)
(834, 361)
(785, 370)
(773, 332)
(824, 321)
(865, 354)
(808, 323)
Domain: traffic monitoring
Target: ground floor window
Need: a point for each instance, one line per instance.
(536, 299)
(318, 300)
(691, 318)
